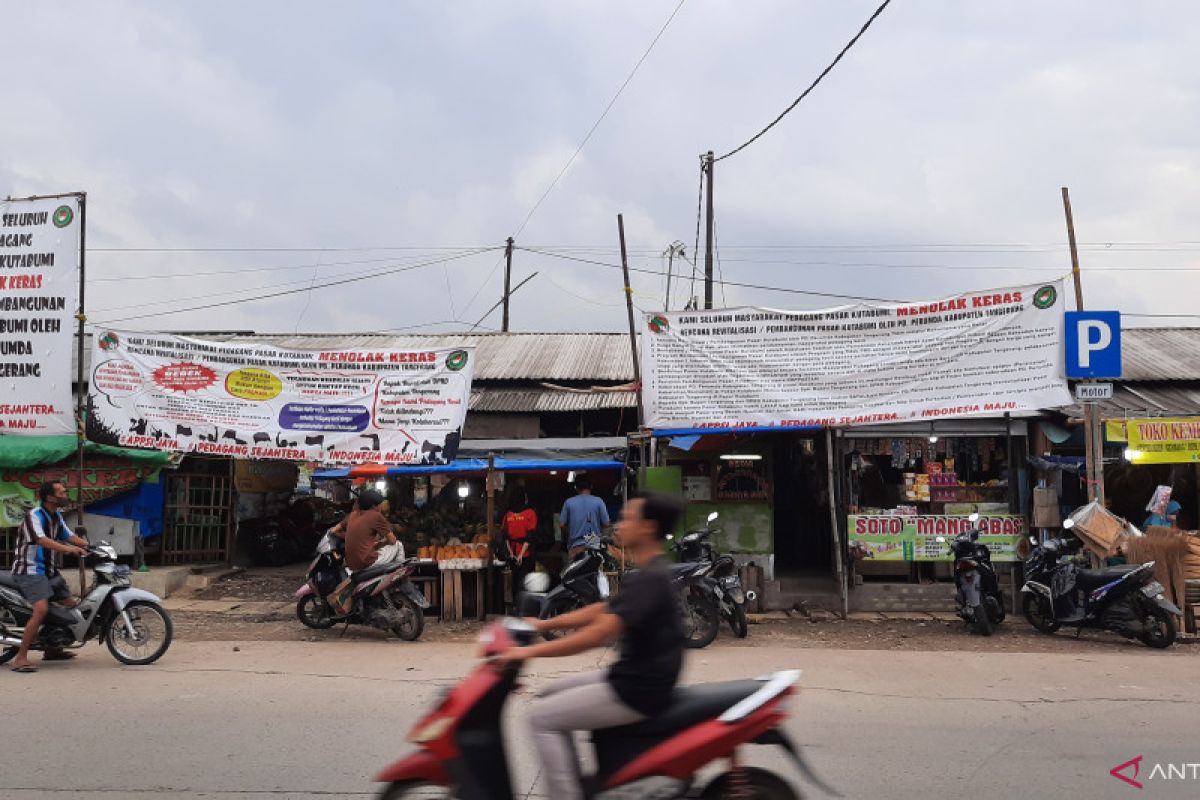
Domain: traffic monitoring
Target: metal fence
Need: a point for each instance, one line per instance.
(198, 523)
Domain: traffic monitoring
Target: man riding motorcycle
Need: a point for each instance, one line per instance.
(644, 617)
(368, 535)
(43, 533)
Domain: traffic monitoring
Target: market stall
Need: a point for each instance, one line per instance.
(905, 486)
(449, 515)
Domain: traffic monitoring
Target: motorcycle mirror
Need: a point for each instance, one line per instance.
(713, 516)
(1068, 524)
(1033, 540)
(974, 518)
(670, 537)
(940, 539)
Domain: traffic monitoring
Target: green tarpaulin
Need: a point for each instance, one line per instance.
(27, 452)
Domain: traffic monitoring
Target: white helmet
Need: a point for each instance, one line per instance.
(538, 582)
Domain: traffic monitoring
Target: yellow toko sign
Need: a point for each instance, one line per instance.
(1163, 441)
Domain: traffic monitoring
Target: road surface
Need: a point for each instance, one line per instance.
(285, 719)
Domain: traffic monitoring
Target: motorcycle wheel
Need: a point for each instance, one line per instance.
(412, 619)
(137, 648)
(561, 605)
(1160, 628)
(995, 610)
(7, 620)
(983, 620)
(753, 784)
(315, 613)
(737, 622)
(411, 790)
(701, 618)
(1036, 614)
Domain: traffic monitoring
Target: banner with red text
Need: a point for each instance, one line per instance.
(886, 537)
(39, 293)
(249, 399)
(980, 354)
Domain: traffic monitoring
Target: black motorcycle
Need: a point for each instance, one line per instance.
(1125, 599)
(978, 598)
(720, 576)
(585, 582)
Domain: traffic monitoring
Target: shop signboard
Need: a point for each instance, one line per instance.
(1170, 440)
(253, 400)
(892, 537)
(39, 294)
(983, 354)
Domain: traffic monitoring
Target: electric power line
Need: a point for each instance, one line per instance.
(293, 291)
(811, 86)
(163, 276)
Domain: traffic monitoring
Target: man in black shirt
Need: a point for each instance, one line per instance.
(643, 617)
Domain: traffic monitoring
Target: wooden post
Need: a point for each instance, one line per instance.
(490, 487)
(637, 369)
(833, 520)
(1093, 452)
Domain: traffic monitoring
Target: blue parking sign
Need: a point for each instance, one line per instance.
(1093, 344)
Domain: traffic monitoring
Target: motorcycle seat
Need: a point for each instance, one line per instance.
(374, 571)
(689, 706)
(7, 582)
(1094, 578)
(681, 569)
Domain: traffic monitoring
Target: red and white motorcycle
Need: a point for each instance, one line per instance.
(461, 746)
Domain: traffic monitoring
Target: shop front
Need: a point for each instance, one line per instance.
(905, 486)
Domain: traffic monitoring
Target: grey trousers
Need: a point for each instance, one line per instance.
(584, 702)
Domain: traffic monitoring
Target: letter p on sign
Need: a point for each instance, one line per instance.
(1093, 344)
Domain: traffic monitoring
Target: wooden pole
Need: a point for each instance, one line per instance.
(80, 408)
(508, 250)
(637, 369)
(1093, 453)
(709, 162)
(836, 528)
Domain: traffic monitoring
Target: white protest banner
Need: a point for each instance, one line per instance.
(250, 399)
(980, 354)
(39, 292)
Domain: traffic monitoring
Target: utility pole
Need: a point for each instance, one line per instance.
(1093, 429)
(508, 248)
(675, 248)
(637, 369)
(708, 232)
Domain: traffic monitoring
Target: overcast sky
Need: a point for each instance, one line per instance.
(433, 128)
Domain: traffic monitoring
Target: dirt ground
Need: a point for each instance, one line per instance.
(1014, 636)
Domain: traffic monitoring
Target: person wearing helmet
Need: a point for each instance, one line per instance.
(369, 537)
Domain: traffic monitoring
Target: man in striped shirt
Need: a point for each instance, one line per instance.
(43, 533)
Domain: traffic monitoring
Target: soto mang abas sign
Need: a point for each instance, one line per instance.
(256, 400)
(39, 293)
(889, 537)
(980, 354)
(1163, 441)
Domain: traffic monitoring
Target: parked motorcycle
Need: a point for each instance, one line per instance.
(723, 580)
(461, 744)
(584, 582)
(978, 598)
(131, 622)
(381, 595)
(1124, 599)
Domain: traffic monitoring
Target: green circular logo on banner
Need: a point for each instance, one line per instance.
(659, 323)
(1045, 297)
(63, 215)
(456, 360)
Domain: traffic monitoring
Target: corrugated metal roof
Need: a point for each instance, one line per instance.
(1146, 400)
(1160, 354)
(500, 356)
(546, 400)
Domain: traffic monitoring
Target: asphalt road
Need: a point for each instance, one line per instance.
(318, 719)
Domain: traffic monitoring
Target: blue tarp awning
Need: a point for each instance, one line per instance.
(474, 465)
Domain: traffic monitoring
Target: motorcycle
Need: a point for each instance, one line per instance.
(461, 745)
(1124, 599)
(978, 598)
(130, 621)
(381, 595)
(721, 574)
(585, 582)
